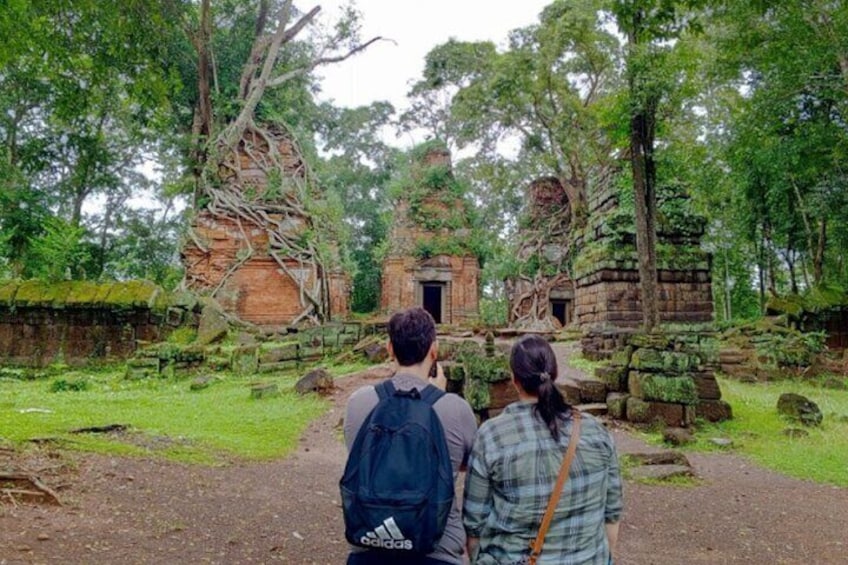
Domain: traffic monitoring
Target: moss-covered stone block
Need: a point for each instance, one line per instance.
(310, 352)
(641, 411)
(185, 300)
(133, 294)
(714, 410)
(218, 363)
(8, 289)
(617, 405)
(31, 293)
(264, 390)
(622, 356)
(313, 337)
(278, 367)
(213, 325)
(245, 360)
(142, 369)
(192, 353)
(678, 389)
(651, 341)
(645, 359)
(277, 352)
(613, 376)
(87, 294)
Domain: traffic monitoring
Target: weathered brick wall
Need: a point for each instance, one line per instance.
(41, 324)
(256, 290)
(613, 297)
(37, 337)
(461, 275)
(339, 288)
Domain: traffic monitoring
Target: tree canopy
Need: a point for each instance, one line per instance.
(115, 118)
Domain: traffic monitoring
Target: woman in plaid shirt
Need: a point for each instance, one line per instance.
(514, 465)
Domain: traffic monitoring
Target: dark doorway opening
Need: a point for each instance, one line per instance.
(561, 310)
(432, 300)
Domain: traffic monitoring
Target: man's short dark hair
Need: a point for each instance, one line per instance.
(411, 332)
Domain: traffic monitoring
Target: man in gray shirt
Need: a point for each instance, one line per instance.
(412, 343)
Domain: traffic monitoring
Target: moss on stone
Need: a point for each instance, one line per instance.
(30, 293)
(646, 359)
(89, 294)
(677, 389)
(133, 294)
(8, 289)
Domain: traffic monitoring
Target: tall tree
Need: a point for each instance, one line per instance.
(548, 93)
(82, 88)
(652, 28)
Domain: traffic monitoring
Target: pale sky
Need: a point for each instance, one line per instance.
(386, 70)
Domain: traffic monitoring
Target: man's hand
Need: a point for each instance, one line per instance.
(439, 381)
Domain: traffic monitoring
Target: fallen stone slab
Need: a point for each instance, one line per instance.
(659, 458)
(595, 408)
(660, 472)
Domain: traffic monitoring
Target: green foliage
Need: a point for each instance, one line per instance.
(59, 251)
(182, 336)
(791, 349)
(580, 363)
(493, 312)
(69, 385)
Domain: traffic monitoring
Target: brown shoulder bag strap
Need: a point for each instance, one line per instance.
(539, 541)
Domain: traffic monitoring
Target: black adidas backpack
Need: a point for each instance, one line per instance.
(397, 487)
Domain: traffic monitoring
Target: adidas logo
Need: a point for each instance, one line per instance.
(387, 536)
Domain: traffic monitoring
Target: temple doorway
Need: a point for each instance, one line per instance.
(432, 299)
(561, 310)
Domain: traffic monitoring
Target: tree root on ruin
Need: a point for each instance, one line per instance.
(23, 485)
(536, 289)
(232, 197)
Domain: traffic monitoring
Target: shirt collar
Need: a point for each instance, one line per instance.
(408, 381)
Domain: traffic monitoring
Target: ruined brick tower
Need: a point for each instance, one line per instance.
(541, 293)
(430, 261)
(606, 272)
(250, 245)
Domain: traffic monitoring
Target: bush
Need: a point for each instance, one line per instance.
(66, 385)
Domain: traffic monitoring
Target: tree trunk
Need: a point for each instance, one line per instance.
(202, 126)
(642, 120)
(793, 278)
(645, 226)
(728, 312)
(818, 261)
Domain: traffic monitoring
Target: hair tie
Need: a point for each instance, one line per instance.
(544, 376)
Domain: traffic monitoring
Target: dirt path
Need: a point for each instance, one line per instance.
(132, 511)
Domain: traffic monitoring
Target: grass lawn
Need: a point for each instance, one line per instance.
(166, 418)
(757, 430)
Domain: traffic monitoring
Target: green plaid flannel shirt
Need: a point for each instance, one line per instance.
(512, 470)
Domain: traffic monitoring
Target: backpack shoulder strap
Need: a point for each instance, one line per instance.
(385, 390)
(431, 394)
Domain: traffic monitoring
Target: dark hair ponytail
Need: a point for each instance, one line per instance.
(534, 366)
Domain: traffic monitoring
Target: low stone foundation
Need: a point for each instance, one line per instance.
(78, 322)
(665, 378)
